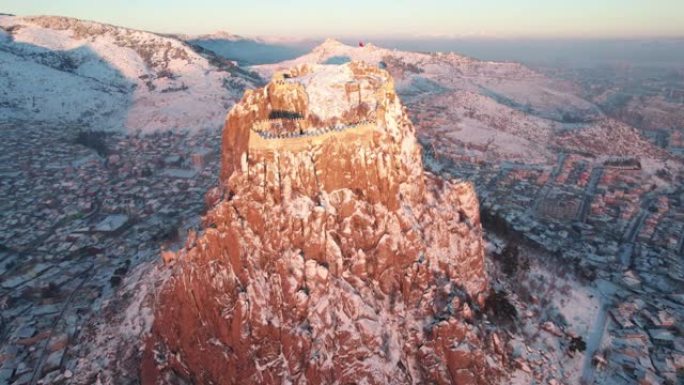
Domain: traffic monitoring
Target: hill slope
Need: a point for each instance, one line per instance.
(74, 72)
(489, 110)
(420, 74)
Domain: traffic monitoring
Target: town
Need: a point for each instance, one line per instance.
(78, 212)
(604, 221)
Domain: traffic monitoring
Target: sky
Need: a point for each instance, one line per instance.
(379, 18)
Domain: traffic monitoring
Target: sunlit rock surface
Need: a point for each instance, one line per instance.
(331, 256)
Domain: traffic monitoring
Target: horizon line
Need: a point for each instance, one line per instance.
(400, 36)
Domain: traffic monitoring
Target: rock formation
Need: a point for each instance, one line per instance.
(331, 256)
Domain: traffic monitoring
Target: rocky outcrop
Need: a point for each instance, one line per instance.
(332, 257)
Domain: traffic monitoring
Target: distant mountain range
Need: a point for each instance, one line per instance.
(250, 51)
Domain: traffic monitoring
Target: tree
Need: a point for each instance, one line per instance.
(577, 344)
(511, 260)
(499, 308)
(94, 140)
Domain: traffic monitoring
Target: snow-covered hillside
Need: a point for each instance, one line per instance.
(490, 110)
(86, 74)
(421, 74)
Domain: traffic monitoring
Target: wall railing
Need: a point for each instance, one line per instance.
(300, 133)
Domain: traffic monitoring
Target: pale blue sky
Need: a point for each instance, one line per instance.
(379, 18)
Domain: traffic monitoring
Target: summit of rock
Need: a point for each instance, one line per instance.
(329, 43)
(330, 256)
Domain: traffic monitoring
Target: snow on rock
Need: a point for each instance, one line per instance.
(327, 95)
(332, 259)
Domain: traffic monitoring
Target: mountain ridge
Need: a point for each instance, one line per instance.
(145, 81)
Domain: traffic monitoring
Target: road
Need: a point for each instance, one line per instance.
(596, 174)
(638, 220)
(593, 344)
(544, 190)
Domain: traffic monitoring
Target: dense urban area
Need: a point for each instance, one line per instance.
(77, 213)
(604, 221)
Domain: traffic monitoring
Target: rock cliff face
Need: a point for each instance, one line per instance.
(332, 257)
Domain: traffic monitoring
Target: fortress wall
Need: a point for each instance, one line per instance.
(300, 143)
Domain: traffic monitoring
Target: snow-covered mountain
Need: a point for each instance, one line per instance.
(419, 74)
(495, 110)
(87, 74)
